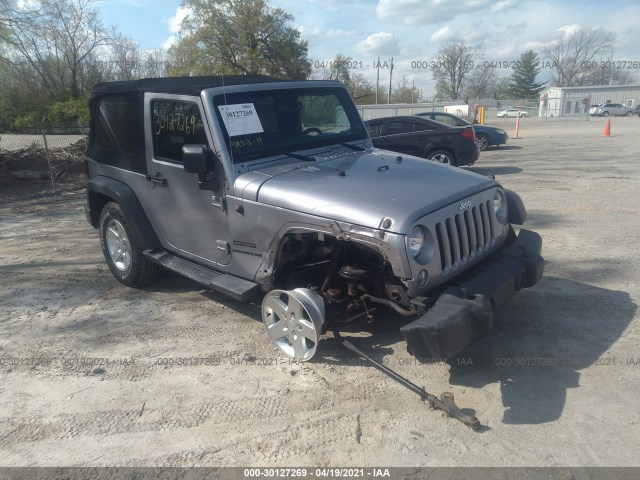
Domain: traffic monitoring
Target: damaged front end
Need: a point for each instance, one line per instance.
(464, 311)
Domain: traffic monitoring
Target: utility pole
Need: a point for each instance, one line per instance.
(377, 80)
(413, 88)
(390, 76)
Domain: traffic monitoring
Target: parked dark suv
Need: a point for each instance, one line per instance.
(255, 187)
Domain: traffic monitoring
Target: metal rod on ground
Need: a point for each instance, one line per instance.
(445, 403)
(46, 152)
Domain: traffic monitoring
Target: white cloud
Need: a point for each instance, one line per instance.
(308, 32)
(425, 12)
(502, 5)
(339, 33)
(443, 34)
(174, 23)
(569, 30)
(169, 42)
(381, 43)
(534, 45)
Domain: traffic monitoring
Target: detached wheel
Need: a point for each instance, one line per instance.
(483, 141)
(294, 320)
(442, 156)
(122, 249)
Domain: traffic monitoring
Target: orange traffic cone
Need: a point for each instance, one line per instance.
(607, 129)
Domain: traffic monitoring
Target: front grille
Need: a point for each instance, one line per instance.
(465, 235)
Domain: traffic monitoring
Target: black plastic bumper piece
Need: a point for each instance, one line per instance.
(463, 313)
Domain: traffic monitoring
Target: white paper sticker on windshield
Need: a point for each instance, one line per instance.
(240, 119)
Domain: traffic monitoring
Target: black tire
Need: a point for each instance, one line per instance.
(628, 114)
(483, 141)
(523, 115)
(131, 268)
(442, 156)
(605, 114)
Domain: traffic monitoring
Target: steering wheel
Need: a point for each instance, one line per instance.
(309, 130)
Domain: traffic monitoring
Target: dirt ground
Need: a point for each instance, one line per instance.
(93, 373)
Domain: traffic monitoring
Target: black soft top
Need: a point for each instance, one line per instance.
(178, 85)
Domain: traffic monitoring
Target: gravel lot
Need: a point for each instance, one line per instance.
(91, 374)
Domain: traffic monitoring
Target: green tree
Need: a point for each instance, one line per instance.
(237, 37)
(340, 69)
(523, 82)
(503, 89)
(453, 65)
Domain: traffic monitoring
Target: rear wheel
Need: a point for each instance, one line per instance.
(628, 114)
(122, 249)
(442, 156)
(483, 141)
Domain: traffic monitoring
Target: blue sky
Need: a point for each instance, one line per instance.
(410, 30)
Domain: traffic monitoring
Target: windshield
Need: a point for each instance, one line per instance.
(263, 123)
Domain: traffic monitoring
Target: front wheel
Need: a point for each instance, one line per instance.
(483, 141)
(605, 114)
(442, 156)
(294, 321)
(122, 249)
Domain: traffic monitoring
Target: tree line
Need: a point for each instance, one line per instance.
(53, 51)
(579, 58)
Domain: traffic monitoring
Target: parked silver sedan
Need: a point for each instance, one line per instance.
(613, 109)
(511, 112)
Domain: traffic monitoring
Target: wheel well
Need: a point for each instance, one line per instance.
(97, 201)
(101, 190)
(441, 149)
(312, 260)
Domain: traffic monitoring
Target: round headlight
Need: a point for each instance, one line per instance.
(416, 241)
(500, 206)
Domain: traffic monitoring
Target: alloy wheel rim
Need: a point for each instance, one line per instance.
(118, 245)
(293, 320)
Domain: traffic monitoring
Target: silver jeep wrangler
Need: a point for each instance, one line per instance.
(252, 186)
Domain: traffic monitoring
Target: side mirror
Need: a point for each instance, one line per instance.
(199, 159)
(196, 159)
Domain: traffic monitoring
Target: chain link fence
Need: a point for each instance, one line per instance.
(56, 154)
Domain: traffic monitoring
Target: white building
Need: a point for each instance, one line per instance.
(575, 101)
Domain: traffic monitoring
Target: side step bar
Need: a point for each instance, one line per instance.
(235, 287)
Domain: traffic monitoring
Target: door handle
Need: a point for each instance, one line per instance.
(157, 178)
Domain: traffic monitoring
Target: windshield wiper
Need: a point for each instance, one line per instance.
(306, 158)
(353, 147)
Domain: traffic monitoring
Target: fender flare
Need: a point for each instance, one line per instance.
(515, 207)
(101, 190)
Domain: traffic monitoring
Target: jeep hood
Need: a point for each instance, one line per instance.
(365, 188)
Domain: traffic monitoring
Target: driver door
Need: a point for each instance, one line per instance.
(190, 222)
